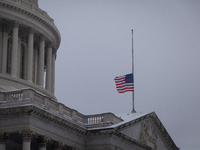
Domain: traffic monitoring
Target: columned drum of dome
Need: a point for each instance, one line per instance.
(23, 44)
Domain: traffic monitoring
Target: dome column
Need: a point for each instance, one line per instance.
(53, 72)
(14, 50)
(40, 79)
(49, 67)
(19, 56)
(30, 56)
(1, 47)
(35, 65)
(4, 52)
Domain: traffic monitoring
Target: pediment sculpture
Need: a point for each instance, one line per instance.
(148, 134)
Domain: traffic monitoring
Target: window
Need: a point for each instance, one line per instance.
(9, 55)
(22, 60)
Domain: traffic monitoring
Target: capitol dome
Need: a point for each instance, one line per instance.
(29, 41)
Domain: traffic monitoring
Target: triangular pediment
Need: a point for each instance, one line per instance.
(147, 129)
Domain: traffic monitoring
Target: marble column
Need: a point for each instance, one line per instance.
(19, 57)
(42, 142)
(1, 47)
(3, 138)
(40, 80)
(26, 138)
(30, 57)
(14, 50)
(53, 72)
(49, 67)
(25, 61)
(35, 69)
(4, 52)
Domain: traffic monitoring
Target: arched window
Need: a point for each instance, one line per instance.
(9, 55)
(22, 60)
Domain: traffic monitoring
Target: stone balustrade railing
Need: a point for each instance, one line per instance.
(54, 106)
(12, 96)
(95, 118)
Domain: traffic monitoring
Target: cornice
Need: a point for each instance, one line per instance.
(37, 15)
(60, 121)
(127, 124)
(47, 116)
(127, 139)
(118, 135)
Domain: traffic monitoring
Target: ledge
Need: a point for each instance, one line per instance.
(25, 84)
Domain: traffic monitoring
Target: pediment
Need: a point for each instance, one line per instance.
(147, 129)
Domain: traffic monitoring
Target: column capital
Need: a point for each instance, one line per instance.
(27, 135)
(7, 28)
(54, 52)
(50, 45)
(16, 24)
(42, 37)
(23, 33)
(43, 140)
(58, 145)
(31, 30)
(3, 137)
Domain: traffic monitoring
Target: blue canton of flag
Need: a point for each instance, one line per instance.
(124, 83)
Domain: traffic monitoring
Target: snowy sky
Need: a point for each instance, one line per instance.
(96, 47)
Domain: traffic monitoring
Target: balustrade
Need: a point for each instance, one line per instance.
(13, 96)
(95, 119)
(59, 108)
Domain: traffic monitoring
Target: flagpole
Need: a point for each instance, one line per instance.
(133, 109)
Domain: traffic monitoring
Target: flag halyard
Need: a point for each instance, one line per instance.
(124, 83)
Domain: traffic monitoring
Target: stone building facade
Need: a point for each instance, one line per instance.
(31, 117)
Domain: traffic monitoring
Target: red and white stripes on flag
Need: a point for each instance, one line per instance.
(124, 83)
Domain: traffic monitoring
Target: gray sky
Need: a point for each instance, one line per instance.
(96, 47)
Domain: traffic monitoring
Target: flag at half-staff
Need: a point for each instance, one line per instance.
(124, 83)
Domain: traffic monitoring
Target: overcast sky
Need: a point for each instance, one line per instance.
(96, 47)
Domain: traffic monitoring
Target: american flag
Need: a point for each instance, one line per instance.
(124, 83)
